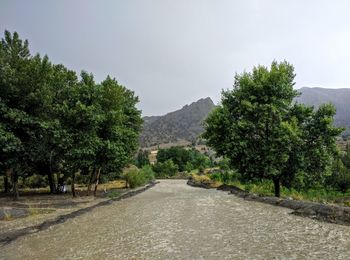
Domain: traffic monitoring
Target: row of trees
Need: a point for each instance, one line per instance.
(185, 159)
(175, 159)
(52, 121)
(266, 135)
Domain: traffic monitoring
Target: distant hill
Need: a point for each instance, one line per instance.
(183, 125)
(340, 98)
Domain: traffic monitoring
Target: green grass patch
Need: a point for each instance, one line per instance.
(113, 194)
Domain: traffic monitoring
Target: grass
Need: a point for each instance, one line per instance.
(205, 179)
(322, 195)
(113, 194)
(117, 184)
(266, 188)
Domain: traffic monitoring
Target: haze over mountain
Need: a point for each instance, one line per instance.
(186, 124)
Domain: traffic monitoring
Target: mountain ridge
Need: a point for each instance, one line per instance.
(185, 125)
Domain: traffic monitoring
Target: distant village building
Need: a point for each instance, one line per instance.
(152, 157)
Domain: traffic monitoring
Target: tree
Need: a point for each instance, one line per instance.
(15, 124)
(30, 91)
(261, 131)
(142, 158)
(179, 156)
(165, 169)
(184, 158)
(52, 122)
(119, 127)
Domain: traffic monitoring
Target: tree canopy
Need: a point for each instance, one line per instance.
(51, 120)
(266, 135)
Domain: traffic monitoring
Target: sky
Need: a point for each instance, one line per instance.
(174, 52)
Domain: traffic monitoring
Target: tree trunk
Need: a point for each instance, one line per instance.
(92, 175)
(51, 183)
(6, 185)
(6, 181)
(97, 180)
(276, 183)
(73, 185)
(15, 191)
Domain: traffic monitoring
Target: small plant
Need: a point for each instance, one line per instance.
(7, 216)
(225, 176)
(113, 194)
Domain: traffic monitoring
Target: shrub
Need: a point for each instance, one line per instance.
(340, 178)
(147, 172)
(81, 178)
(189, 167)
(36, 181)
(135, 177)
(165, 169)
(225, 176)
(342, 182)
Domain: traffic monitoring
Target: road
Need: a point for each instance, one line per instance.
(175, 221)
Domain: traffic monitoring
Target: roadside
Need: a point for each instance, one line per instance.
(324, 212)
(62, 208)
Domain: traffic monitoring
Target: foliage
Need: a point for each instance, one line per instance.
(340, 172)
(165, 169)
(36, 181)
(142, 158)
(225, 176)
(185, 159)
(137, 177)
(51, 121)
(113, 194)
(267, 136)
(206, 180)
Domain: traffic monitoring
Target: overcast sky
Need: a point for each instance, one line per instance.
(172, 53)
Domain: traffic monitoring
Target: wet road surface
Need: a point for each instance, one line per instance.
(175, 221)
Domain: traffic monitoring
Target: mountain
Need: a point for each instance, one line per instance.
(340, 98)
(183, 125)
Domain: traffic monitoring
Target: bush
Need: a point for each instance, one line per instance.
(340, 178)
(263, 187)
(136, 177)
(342, 182)
(81, 178)
(165, 169)
(225, 176)
(36, 181)
(147, 172)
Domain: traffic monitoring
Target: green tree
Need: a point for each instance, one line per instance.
(52, 122)
(16, 100)
(142, 158)
(179, 155)
(255, 128)
(184, 158)
(165, 169)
